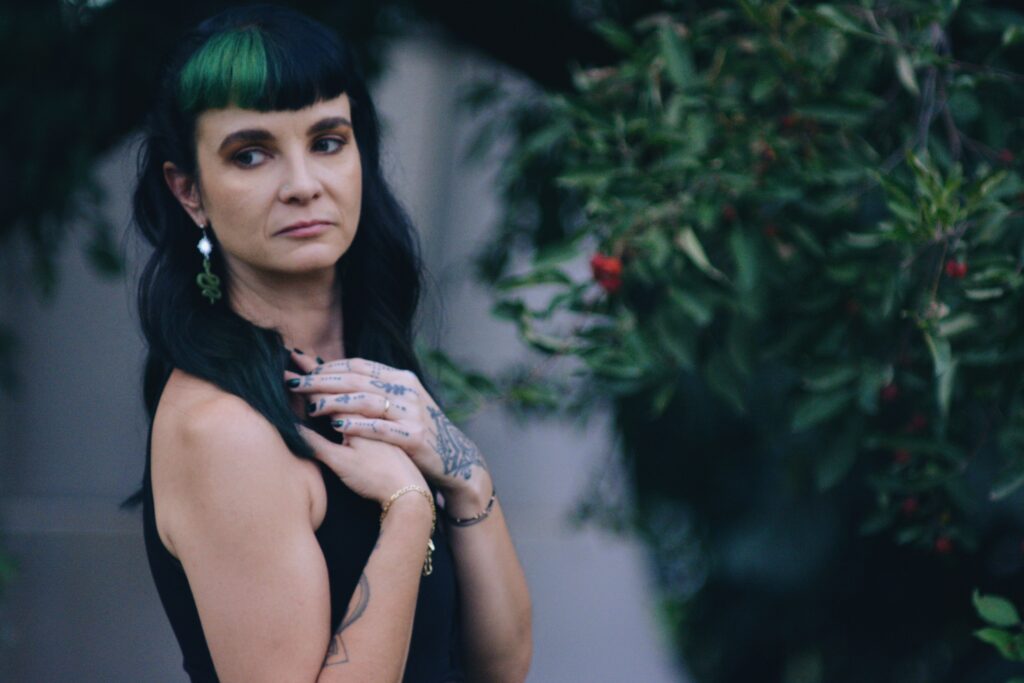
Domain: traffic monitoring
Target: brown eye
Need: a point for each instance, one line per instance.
(335, 144)
(244, 158)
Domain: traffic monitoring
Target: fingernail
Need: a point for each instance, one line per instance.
(299, 351)
(337, 423)
(310, 407)
(294, 382)
(319, 360)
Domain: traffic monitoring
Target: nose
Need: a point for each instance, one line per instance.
(300, 183)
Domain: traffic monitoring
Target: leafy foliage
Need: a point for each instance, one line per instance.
(803, 225)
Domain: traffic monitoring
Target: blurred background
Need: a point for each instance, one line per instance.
(728, 294)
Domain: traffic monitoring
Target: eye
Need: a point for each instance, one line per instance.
(334, 144)
(244, 158)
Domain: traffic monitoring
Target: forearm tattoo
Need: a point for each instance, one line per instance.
(457, 452)
(336, 651)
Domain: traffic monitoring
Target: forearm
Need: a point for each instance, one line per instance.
(372, 641)
(496, 612)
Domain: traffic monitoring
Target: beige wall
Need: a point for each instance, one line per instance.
(71, 445)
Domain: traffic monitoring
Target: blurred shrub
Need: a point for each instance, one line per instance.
(783, 241)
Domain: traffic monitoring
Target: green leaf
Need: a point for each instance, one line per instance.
(509, 309)
(905, 73)
(615, 35)
(746, 260)
(995, 610)
(836, 460)
(678, 59)
(832, 379)
(942, 354)
(1007, 482)
(956, 324)
(816, 408)
(723, 380)
(1012, 35)
(945, 388)
(539, 276)
(691, 246)
(837, 19)
(984, 294)
(1002, 640)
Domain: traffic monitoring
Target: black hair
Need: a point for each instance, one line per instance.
(380, 275)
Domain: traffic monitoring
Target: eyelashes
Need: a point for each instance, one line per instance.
(244, 159)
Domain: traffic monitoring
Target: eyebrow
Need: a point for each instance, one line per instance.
(262, 134)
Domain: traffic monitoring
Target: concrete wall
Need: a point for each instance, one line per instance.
(71, 444)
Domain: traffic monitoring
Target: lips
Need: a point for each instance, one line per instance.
(297, 226)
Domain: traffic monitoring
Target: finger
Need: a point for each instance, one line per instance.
(342, 383)
(364, 403)
(324, 449)
(372, 369)
(305, 361)
(351, 424)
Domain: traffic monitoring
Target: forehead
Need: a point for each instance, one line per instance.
(213, 124)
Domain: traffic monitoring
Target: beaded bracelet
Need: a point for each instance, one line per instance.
(470, 521)
(428, 564)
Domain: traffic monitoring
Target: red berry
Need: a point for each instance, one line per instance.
(890, 392)
(1005, 156)
(789, 120)
(770, 230)
(729, 213)
(607, 272)
(901, 456)
(918, 422)
(943, 545)
(909, 506)
(852, 306)
(955, 269)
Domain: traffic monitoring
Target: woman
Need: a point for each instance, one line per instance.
(289, 502)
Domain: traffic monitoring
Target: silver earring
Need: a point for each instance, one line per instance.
(208, 282)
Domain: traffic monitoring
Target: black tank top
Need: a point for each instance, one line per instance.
(346, 537)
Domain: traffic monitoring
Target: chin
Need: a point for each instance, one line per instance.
(314, 257)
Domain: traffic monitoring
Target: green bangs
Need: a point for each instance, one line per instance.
(230, 69)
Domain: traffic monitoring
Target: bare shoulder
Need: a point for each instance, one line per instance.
(212, 449)
(237, 516)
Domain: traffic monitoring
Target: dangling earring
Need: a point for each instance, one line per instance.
(207, 281)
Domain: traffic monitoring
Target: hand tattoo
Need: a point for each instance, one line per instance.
(396, 389)
(457, 452)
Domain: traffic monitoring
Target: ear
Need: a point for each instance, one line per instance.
(186, 191)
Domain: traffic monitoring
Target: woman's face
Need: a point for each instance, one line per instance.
(282, 190)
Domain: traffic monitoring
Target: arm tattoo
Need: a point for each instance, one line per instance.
(457, 452)
(336, 651)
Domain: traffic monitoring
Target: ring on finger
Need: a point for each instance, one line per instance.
(387, 405)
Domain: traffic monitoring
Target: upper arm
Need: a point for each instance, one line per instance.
(242, 532)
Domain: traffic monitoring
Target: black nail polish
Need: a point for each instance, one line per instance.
(337, 423)
(319, 360)
(298, 351)
(294, 382)
(310, 407)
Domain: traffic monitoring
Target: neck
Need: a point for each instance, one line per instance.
(305, 309)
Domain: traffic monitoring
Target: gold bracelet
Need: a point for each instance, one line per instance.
(428, 564)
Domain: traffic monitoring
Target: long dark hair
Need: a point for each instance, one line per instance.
(266, 58)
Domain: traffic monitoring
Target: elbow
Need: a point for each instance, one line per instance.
(512, 664)
(518, 659)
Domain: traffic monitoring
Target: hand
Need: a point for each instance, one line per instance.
(372, 469)
(354, 393)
